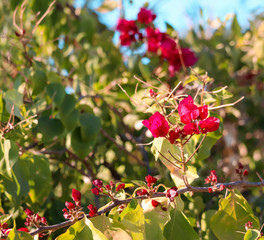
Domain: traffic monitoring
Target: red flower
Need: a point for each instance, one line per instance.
(191, 128)
(174, 135)
(98, 183)
(210, 124)
(128, 30)
(154, 38)
(28, 212)
(157, 125)
(152, 93)
(172, 193)
(203, 112)
(212, 178)
(150, 180)
(124, 25)
(69, 205)
(120, 187)
(145, 16)
(155, 203)
(23, 229)
(95, 191)
(222, 187)
(93, 210)
(245, 173)
(76, 195)
(142, 192)
(44, 221)
(167, 46)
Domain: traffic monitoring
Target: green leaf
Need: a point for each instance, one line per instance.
(71, 120)
(40, 177)
(8, 157)
(252, 234)
(97, 234)
(234, 211)
(18, 186)
(13, 98)
(83, 229)
(153, 225)
(133, 220)
(56, 92)
(179, 227)
(77, 231)
(39, 81)
(50, 128)
(54, 77)
(67, 105)
(236, 29)
(80, 146)
(90, 126)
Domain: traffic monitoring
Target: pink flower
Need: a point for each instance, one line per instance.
(157, 125)
(210, 124)
(145, 16)
(187, 110)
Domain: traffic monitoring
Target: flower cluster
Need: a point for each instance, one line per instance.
(194, 119)
(107, 189)
(212, 178)
(34, 219)
(157, 42)
(248, 225)
(73, 210)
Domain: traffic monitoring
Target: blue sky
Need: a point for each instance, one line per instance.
(183, 15)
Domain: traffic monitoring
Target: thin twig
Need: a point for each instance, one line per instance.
(227, 105)
(43, 16)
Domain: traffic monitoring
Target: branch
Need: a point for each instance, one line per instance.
(228, 185)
